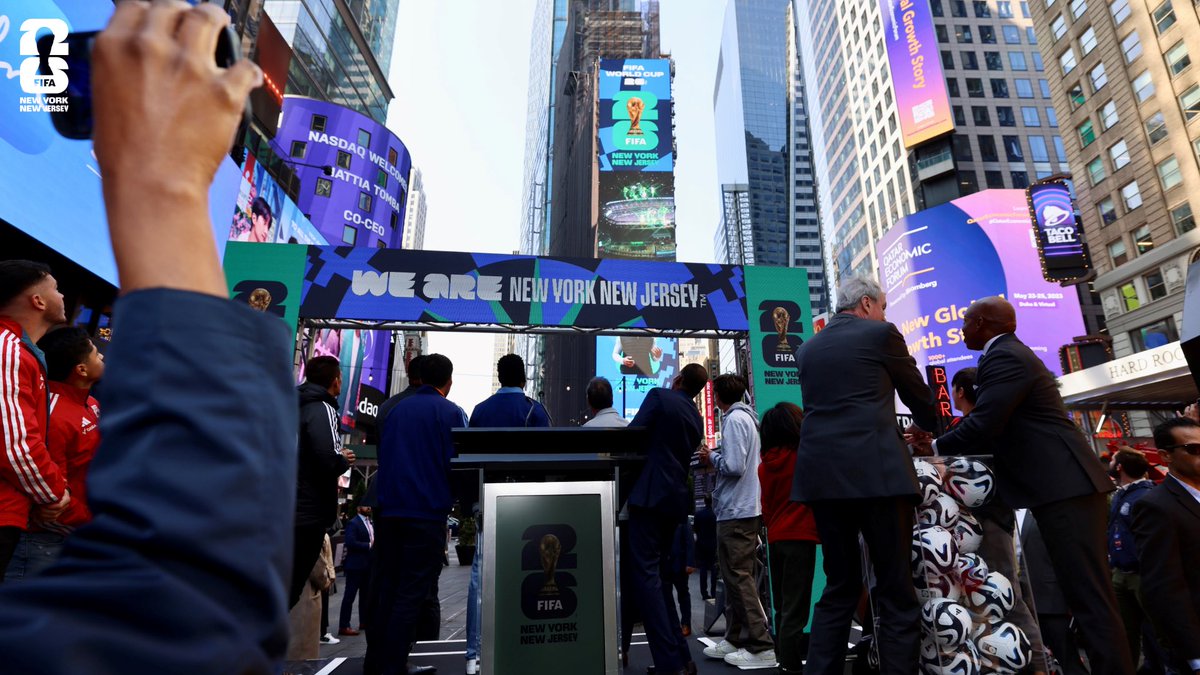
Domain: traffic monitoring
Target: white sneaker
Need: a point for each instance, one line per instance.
(720, 650)
(328, 639)
(472, 666)
(744, 659)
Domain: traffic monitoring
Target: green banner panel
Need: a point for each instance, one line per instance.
(268, 277)
(780, 319)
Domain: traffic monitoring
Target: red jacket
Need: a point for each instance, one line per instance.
(785, 519)
(74, 436)
(27, 473)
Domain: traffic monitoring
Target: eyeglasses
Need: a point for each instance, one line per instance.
(1189, 448)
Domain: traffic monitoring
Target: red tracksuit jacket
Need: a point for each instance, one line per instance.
(74, 436)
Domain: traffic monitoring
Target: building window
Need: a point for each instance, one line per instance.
(392, 156)
(987, 35)
(1164, 16)
(1024, 88)
(1067, 61)
(1005, 116)
(1168, 173)
(1108, 211)
(1012, 149)
(349, 234)
(1189, 101)
(1131, 46)
(298, 149)
(1037, 149)
(962, 34)
(324, 187)
(1060, 151)
(960, 116)
(980, 116)
(364, 138)
(1012, 35)
(993, 179)
(1037, 61)
(1119, 153)
(999, 88)
(1030, 36)
(1045, 87)
(1120, 10)
(1142, 241)
(974, 87)
(948, 59)
(1143, 86)
(343, 159)
(935, 8)
(1016, 61)
(1154, 335)
(1087, 41)
(1098, 77)
(1020, 180)
(1058, 26)
(1095, 169)
(987, 149)
(968, 182)
(981, 9)
(1025, 10)
(962, 147)
(1177, 58)
(1030, 117)
(364, 201)
(1051, 117)
(1004, 9)
(1131, 196)
(942, 35)
(1129, 295)
(993, 61)
(952, 86)
(969, 60)
(318, 123)
(1087, 134)
(1108, 115)
(1181, 217)
(958, 8)
(381, 178)
(1117, 252)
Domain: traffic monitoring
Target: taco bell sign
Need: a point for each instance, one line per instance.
(353, 172)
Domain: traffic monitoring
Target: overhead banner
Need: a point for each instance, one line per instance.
(483, 288)
(917, 78)
(1065, 257)
(780, 319)
(935, 263)
(635, 115)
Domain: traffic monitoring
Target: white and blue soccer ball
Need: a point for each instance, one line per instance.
(929, 588)
(942, 511)
(946, 623)
(971, 570)
(961, 661)
(929, 481)
(969, 481)
(1005, 649)
(934, 552)
(968, 533)
(993, 599)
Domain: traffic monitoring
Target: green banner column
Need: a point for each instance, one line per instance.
(779, 315)
(268, 277)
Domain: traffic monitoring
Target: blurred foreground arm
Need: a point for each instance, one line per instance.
(185, 565)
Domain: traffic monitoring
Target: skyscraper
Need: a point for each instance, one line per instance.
(414, 213)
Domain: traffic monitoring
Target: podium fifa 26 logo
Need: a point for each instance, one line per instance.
(33, 82)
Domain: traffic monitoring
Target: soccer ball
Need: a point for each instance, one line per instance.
(929, 588)
(942, 511)
(993, 599)
(971, 570)
(1005, 648)
(946, 622)
(961, 661)
(969, 481)
(934, 552)
(929, 479)
(968, 533)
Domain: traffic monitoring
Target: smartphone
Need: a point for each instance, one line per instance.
(74, 118)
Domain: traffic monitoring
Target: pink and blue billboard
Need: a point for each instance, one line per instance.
(917, 78)
(353, 172)
(935, 263)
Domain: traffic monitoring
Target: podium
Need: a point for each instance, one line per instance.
(549, 577)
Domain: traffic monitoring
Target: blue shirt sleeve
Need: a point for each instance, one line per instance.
(185, 566)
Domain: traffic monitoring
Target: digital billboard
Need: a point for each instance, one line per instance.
(635, 115)
(916, 68)
(353, 172)
(49, 185)
(780, 318)
(935, 263)
(1064, 254)
(637, 216)
(264, 213)
(634, 365)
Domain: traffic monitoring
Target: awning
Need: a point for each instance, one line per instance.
(1156, 379)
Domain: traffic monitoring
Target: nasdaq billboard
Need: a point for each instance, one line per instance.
(635, 115)
(916, 68)
(353, 172)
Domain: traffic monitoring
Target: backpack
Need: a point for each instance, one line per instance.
(1122, 550)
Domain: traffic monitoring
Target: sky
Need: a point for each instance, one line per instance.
(460, 73)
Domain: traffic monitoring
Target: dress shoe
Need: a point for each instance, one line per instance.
(347, 631)
(687, 630)
(416, 670)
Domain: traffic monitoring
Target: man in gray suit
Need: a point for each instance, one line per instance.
(856, 475)
(1044, 464)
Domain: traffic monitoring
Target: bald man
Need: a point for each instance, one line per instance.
(1043, 463)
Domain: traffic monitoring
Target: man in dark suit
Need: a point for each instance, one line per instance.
(854, 472)
(1166, 526)
(659, 502)
(360, 536)
(1043, 463)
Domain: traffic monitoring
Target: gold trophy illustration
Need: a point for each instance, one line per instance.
(260, 299)
(550, 549)
(781, 318)
(635, 106)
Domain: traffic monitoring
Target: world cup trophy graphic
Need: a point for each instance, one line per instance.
(781, 318)
(260, 299)
(550, 548)
(635, 106)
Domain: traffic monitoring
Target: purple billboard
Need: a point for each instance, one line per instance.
(917, 79)
(1059, 236)
(353, 172)
(935, 263)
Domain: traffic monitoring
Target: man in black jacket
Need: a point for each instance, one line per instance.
(321, 460)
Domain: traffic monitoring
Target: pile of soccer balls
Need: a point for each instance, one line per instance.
(962, 620)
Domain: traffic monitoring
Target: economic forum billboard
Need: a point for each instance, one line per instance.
(360, 202)
(935, 263)
(917, 79)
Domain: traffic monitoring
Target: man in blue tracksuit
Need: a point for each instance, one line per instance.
(410, 520)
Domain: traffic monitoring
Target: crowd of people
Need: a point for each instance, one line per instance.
(166, 544)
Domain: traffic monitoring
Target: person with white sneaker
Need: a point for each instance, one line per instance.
(738, 505)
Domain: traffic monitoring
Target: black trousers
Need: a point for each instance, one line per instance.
(650, 535)
(675, 586)
(356, 580)
(1075, 534)
(792, 566)
(9, 536)
(405, 563)
(886, 525)
(1057, 635)
(306, 548)
(708, 578)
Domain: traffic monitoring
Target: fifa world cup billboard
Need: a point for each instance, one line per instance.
(353, 172)
(917, 78)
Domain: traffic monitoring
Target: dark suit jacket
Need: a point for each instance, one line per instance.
(1040, 455)
(675, 433)
(358, 545)
(850, 446)
(1166, 526)
(1048, 597)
